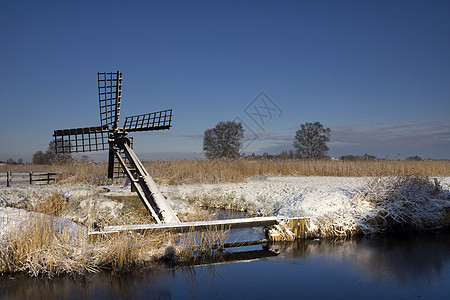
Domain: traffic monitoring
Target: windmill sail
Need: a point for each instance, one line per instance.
(148, 122)
(109, 96)
(85, 139)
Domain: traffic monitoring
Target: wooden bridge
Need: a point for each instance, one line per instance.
(296, 225)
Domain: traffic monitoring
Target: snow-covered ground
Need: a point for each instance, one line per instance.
(329, 202)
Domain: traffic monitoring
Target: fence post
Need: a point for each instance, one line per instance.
(8, 179)
(48, 178)
(31, 177)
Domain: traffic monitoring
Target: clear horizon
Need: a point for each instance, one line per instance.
(377, 73)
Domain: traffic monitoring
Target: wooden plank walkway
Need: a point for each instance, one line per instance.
(192, 226)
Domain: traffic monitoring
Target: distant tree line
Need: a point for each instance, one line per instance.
(11, 161)
(358, 157)
(50, 157)
(225, 141)
(416, 158)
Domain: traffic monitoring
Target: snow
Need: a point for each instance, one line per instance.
(332, 203)
(22, 195)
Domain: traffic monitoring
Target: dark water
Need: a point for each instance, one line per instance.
(368, 268)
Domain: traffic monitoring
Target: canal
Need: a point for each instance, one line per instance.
(407, 267)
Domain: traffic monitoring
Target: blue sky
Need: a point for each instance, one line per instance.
(376, 72)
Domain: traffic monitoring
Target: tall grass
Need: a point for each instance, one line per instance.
(44, 244)
(41, 247)
(239, 170)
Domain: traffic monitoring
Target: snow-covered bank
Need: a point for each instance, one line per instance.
(335, 205)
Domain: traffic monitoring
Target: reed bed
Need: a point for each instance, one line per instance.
(221, 171)
(239, 170)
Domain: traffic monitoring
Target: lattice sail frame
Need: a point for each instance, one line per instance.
(109, 97)
(153, 121)
(81, 139)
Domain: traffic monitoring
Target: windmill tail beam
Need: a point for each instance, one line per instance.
(168, 215)
(146, 188)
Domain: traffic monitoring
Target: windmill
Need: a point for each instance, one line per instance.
(109, 136)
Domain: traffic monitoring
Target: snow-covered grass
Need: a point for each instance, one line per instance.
(336, 206)
(406, 202)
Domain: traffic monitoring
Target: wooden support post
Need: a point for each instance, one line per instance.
(298, 227)
(48, 178)
(31, 177)
(8, 179)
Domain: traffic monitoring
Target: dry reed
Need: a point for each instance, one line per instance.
(44, 244)
(220, 171)
(239, 170)
(42, 247)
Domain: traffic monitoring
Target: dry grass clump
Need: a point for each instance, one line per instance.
(43, 244)
(124, 251)
(194, 247)
(198, 247)
(43, 247)
(52, 204)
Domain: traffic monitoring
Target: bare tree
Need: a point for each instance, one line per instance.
(224, 140)
(310, 140)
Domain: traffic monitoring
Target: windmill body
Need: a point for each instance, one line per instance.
(109, 136)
